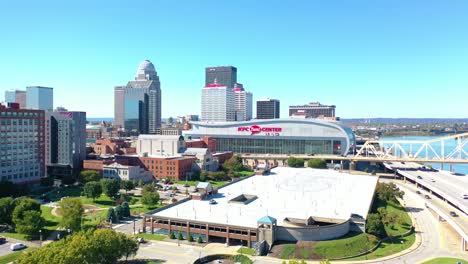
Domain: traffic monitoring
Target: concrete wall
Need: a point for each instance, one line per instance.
(312, 233)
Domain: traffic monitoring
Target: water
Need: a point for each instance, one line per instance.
(449, 146)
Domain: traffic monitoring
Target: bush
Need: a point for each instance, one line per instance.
(180, 236)
(295, 162)
(190, 238)
(375, 226)
(374, 172)
(171, 235)
(125, 209)
(317, 164)
(199, 240)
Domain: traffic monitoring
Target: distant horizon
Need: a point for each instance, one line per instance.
(357, 118)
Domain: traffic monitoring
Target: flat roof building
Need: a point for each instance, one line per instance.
(312, 110)
(268, 108)
(40, 98)
(225, 75)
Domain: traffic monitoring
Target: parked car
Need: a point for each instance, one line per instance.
(427, 196)
(432, 180)
(418, 192)
(453, 214)
(465, 196)
(17, 246)
(140, 240)
(213, 202)
(2, 240)
(186, 185)
(419, 177)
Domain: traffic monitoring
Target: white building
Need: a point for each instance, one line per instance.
(217, 103)
(126, 173)
(205, 160)
(243, 102)
(40, 98)
(160, 145)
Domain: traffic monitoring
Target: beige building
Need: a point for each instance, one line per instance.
(126, 173)
(160, 145)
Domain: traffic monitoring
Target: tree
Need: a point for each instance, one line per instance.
(374, 225)
(295, 162)
(388, 192)
(7, 205)
(234, 164)
(140, 183)
(127, 185)
(23, 205)
(90, 175)
(92, 190)
(150, 198)
(203, 175)
(125, 209)
(30, 224)
(128, 247)
(72, 212)
(118, 212)
(110, 187)
(190, 237)
(199, 240)
(317, 164)
(171, 235)
(148, 188)
(111, 216)
(180, 236)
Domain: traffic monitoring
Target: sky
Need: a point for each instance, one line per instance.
(370, 58)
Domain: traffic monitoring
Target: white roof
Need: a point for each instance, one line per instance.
(161, 137)
(287, 192)
(195, 151)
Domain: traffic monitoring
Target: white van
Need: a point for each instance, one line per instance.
(17, 246)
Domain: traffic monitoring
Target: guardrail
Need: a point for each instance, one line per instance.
(448, 220)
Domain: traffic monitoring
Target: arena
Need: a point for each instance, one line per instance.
(289, 204)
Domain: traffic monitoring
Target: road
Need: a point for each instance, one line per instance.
(5, 249)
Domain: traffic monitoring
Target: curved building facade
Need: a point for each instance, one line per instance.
(277, 136)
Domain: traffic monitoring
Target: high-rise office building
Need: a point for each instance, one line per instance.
(16, 96)
(22, 143)
(243, 103)
(65, 142)
(312, 110)
(40, 98)
(137, 106)
(268, 108)
(224, 75)
(218, 103)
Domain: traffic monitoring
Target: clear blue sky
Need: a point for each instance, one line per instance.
(371, 58)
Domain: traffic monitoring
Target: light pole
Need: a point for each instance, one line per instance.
(134, 232)
(40, 237)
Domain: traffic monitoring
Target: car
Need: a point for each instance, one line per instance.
(213, 202)
(140, 240)
(2, 240)
(171, 195)
(17, 246)
(169, 183)
(186, 185)
(419, 177)
(427, 196)
(453, 214)
(432, 180)
(465, 196)
(418, 192)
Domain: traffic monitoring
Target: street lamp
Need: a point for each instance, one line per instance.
(134, 232)
(40, 236)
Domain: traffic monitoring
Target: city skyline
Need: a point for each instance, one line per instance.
(396, 60)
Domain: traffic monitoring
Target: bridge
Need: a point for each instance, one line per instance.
(438, 150)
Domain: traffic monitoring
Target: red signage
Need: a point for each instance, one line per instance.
(257, 129)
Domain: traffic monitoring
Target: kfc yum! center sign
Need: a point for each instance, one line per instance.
(255, 129)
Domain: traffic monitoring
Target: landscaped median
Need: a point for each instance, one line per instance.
(14, 256)
(446, 261)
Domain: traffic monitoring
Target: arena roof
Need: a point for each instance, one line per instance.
(285, 193)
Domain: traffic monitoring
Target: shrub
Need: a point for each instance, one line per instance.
(295, 162)
(317, 164)
(171, 235)
(180, 236)
(199, 240)
(190, 237)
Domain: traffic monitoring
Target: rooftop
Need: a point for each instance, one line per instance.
(285, 193)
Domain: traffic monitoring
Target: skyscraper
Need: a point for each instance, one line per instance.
(16, 96)
(137, 106)
(22, 142)
(40, 98)
(268, 109)
(65, 142)
(243, 103)
(313, 110)
(225, 76)
(218, 103)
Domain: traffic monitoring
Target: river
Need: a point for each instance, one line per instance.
(449, 146)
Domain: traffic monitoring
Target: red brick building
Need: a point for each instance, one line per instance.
(205, 142)
(96, 165)
(177, 168)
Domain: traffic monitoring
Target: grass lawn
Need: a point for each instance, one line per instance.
(56, 195)
(445, 261)
(390, 247)
(103, 201)
(93, 220)
(13, 234)
(288, 251)
(397, 229)
(351, 244)
(245, 173)
(51, 222)
(246, 251)
(13, 256)
(151, 236)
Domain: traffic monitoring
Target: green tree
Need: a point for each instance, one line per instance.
(171, 235)
(199, 240)
(127, 185)
(23, 205)
(150, 198)
(118, 212)
(110, 187)
(180, 236)
(374, 225)
(190, 237)
(92, 190)
(317, 164)
(90, 175)
(203, 175)
(388, 192)
(30, 224)
(72, 212)
(140, 183)
(111, 216)
(128, 247)
(7, 205)
(234, 164)
(295, 162)
(125, 209)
